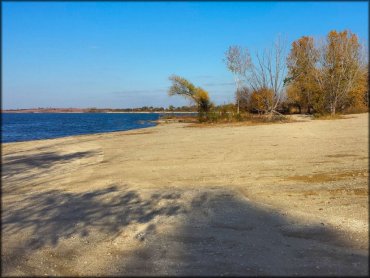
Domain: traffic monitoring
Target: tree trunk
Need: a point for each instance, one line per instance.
(332, 109)
(271, 114)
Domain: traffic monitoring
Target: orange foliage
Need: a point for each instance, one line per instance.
(262, 100)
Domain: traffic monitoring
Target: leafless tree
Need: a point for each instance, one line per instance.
(269, 72)
(238, 61)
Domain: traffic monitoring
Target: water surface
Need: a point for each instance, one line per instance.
(17, 127)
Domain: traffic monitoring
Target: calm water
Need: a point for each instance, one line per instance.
(33, 126)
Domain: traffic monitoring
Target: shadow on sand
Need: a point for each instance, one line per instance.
(13, 165)
(215, 232)
(54, 215)
(224, 234)
(16, 169)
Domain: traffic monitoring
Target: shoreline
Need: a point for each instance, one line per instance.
(296, 118)
(82, 135)
(113, 112)
(170, 196)
(160, 122)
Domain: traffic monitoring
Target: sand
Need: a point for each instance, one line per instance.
(276, 199)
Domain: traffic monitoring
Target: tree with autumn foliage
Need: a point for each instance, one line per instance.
(261, 100)
(358, 97)
(328, 76)
(302, 88)
(182, 87)
(339, 69)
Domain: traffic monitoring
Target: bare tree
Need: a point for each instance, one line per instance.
(238, 61)
(269, 72)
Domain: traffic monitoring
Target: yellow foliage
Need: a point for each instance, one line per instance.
(293, 94)
(301, 65)
(359, 94)
(201, 95)
(262, 99)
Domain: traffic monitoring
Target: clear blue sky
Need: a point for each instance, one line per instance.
(120, 54)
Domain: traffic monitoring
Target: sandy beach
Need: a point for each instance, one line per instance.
(273, 199)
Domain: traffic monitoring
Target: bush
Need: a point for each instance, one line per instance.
(261, 100)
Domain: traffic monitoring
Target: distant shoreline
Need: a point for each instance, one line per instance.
(82, 112)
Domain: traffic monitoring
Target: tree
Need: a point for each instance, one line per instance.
(237, 60)
(262, 100)
(358, 99)
(182, 87)
(242, 98)
(301, 64)
(269, 74)
(339, 68)
(294, 97)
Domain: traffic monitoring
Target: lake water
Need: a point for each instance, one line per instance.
(33, 126)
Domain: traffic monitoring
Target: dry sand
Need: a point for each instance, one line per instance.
(279, 199)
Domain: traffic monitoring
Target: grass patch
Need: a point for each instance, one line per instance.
(328, 177)
(360, 191)
(341, 155)
(363, 191)
(226, 119)
(328, 117)
(138, 133)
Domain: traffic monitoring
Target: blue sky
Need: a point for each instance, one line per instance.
(120, 54)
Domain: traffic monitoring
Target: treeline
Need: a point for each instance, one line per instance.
(328, 76)
(170, 108)
(322, 76)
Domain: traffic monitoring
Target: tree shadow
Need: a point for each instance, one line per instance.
(16, 169)
(206, 232)
(224, 234)
(54, 215)
(12, 165)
